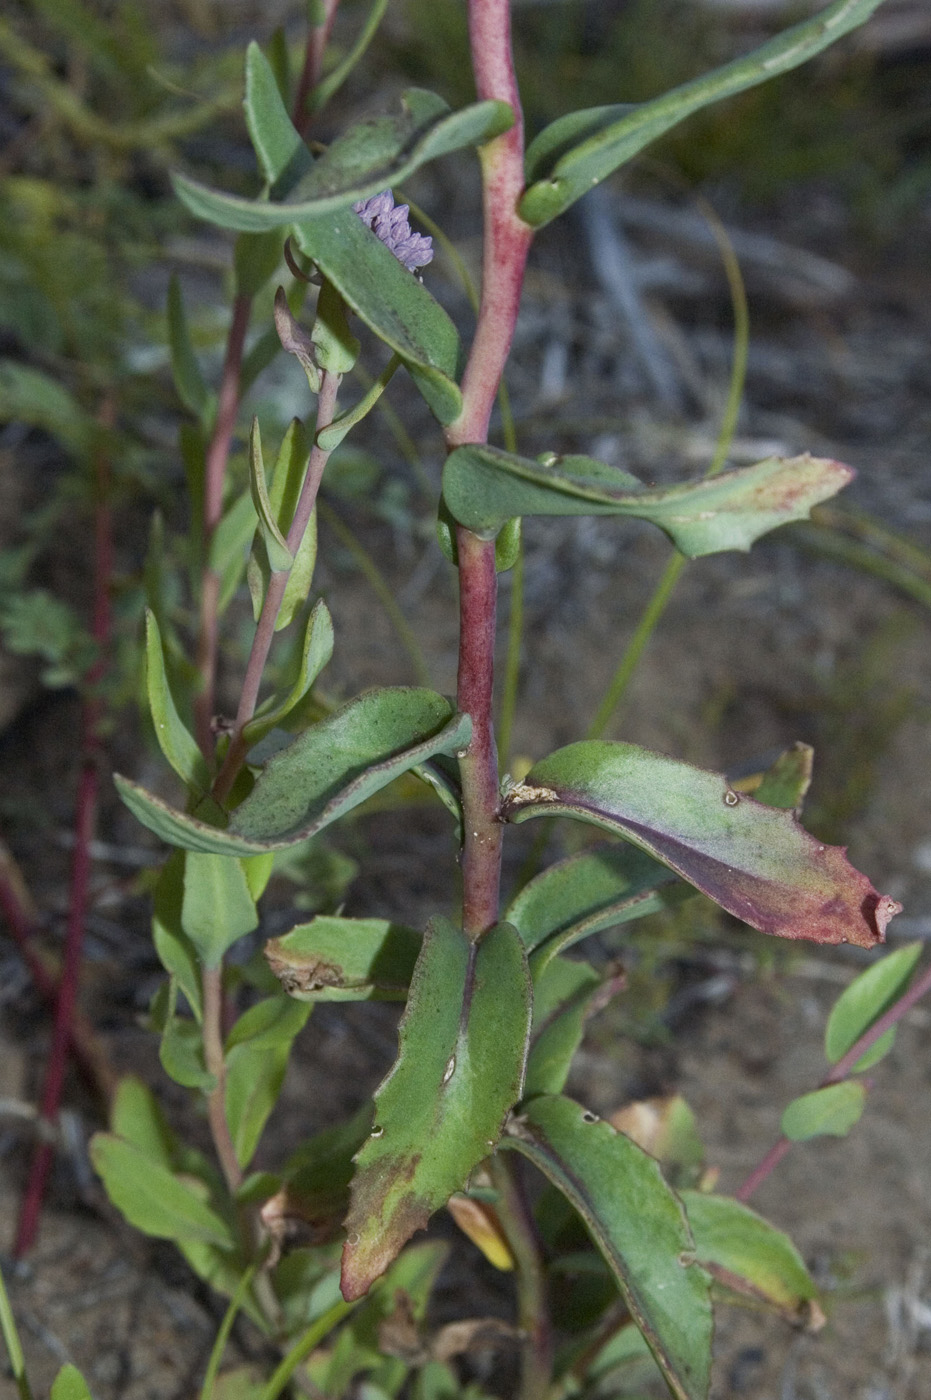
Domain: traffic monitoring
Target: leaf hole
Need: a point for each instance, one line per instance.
(589, 1117)
(730, 798)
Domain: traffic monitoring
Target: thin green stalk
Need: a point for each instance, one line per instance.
(14, 1348)
(449, 248)
(862, 544)
(310, 1339)
(532, 1301)
(321, 93)
(657, 605)
(379, 584)
(636, 646)
(226, 1327)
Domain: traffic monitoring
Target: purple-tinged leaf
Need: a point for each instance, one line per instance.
(757, 862)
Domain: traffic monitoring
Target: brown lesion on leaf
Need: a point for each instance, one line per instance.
(526, 795)
(298, 975)
(373, 1242)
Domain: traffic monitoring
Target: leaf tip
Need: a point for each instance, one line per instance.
(878, 909)
(369, 1252)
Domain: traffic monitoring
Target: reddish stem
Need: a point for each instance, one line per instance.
(839, 1072)
(506, 245)
(482, 832)
(311, 73)
(507, 238)
(214, 478)
(265, 629)
(22, 924)
(85, 816)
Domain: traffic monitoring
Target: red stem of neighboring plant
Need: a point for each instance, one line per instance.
(23, 925)
(214, 479)
(839, 1072)
(85, 817)
(506, 245)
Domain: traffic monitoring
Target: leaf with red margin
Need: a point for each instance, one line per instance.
(757, 862)
(440, 1111)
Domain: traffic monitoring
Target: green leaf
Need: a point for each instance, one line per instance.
(599, 888)
(375, 153)
(217, 908)
(279, 555)
(867, 998)
(229, 544)
(315, 653)
(181, 1049)
(786, 782)
(391, 302)
(828, 1112)
(485, 487)
(175, 950)
(608, 144)
(746, 1254)
(755, 861)
(69, 1384)
(271, 1022)
(563, 994)
(370, 279)
(277, 144)
(460, 1066)
(137, 1117)
(174, 739)
(290, 470)
(563, 135)
(152, 1198)
(254, 1076)
(255, 260)
(190, 384)
(258, 871)
(326, 772)
(337, 959)
(638, 1225)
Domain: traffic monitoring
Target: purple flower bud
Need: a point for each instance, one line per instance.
(389, 223)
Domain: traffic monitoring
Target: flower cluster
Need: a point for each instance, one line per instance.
(389, 222)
